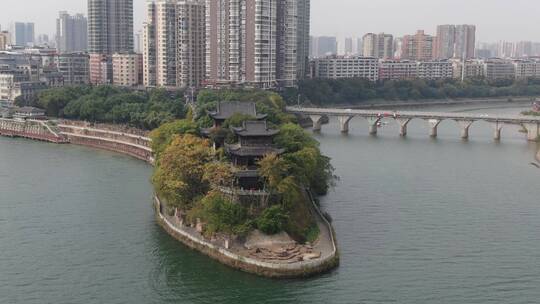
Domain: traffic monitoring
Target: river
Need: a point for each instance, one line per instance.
(418, 220)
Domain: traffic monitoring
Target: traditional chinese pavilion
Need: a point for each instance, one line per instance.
(255, 140)
(226, 110)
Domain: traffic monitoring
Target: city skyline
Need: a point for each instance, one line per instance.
(489, 28)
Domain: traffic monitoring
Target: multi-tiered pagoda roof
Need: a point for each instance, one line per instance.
(226, 110)
(255, 142)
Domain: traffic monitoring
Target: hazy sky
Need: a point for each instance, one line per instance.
(495, 19)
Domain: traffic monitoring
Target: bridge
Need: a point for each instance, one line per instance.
(433, 119)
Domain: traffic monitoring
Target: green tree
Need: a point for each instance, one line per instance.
(272, 220)
(179, 178)
(221, 215)
(293, 138)
(163, 136)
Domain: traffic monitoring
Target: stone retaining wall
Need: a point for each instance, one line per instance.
(124, 143)
(271, 270)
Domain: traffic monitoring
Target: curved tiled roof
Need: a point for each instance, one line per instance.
(227, 109)
(255, 128)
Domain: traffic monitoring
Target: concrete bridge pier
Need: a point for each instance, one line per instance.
(497, 127)
(465, 126)
(433, 124)
(373, 124)
(533, 131)
(403, 123)
(317, 122)
(344, 123)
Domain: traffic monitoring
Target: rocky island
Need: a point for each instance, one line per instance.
(235, 176)
(237, 183)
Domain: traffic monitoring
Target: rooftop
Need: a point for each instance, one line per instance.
(255, 128)
(227, 109)
(29, 110)
(256, 151)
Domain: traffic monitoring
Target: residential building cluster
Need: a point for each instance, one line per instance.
(451, 41)
(374, 69)
(258, 43)
(505, 49)
(110, 38)
(184, 43)
(254, 43)
(27, 71)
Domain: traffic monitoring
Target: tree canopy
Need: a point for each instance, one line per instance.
(179, 177)
(144, 110)
(190, 175)
(358, 90)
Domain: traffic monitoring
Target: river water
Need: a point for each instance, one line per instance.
(418, 220)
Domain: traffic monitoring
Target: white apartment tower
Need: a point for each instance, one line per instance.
(263, 43)
(190, 44)
(455, 41)
(378, 45)
(174, 43)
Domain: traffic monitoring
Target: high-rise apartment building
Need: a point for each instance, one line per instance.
(446, 40)
(43, 40)
(5, 40)
(260, 42)
(465, 41)
(325, 46)
(523, 49)
(348, 50)
(398, 47)
(359, 45)
(191, 46)
(138, 42)
(71, 33)
(22, 33)
(418, 46)
(369, 41)
(378, 45)
(385, 46)
(110, 26)
(455, 41)
(292, 41)
(505, 49)
(174, 43)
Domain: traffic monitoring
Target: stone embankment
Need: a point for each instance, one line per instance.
(309, 264)
(80, 133)
(291, 261)
(30, 129)
(137, 146)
